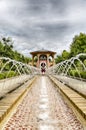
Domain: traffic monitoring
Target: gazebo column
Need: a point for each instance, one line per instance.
(38, 63)
(53, 59)
(47, 60)
(32, 60)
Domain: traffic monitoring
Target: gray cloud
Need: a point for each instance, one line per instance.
(36, 24)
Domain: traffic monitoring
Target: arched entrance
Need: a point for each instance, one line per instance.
(43, 67)
(44, 58)
(43, 62)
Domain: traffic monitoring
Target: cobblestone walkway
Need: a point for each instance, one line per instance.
(43, 109)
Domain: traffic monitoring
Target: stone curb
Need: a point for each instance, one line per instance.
(74, 97)
(7, 103)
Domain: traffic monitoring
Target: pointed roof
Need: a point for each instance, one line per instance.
(42, 51)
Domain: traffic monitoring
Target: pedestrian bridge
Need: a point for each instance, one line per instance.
(55, 100)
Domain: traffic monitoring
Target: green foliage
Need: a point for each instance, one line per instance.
(79, 74)
(8, 75)
(2, 75)
(11, 74)
(78, 44)
(85, 62)
(74, 73)
(58, 59)
(83, 74)
(6, 50)
(35, 59)
(64, 56)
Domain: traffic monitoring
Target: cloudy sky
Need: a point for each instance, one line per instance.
(37, 24)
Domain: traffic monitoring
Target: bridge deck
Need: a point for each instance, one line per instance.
(43, 108)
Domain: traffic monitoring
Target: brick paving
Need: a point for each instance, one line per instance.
(43, 108)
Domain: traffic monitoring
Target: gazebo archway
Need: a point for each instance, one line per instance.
(43, 57)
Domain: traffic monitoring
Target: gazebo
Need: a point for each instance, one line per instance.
(43, 58)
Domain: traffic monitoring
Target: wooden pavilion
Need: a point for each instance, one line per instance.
(43, 58)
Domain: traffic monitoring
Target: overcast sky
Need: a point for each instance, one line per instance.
(37, 24)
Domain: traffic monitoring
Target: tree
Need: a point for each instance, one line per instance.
(78, 44)
(58, 59)
(1, 49)
(65, 55)
(6, 50)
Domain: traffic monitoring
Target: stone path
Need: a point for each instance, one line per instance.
(43, 108)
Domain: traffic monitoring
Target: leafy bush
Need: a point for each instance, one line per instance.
(83, 74)
(76, 73)
(8, 75)
(11, 74)
(2, 75)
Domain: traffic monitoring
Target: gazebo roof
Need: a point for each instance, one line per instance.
(42, 51)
